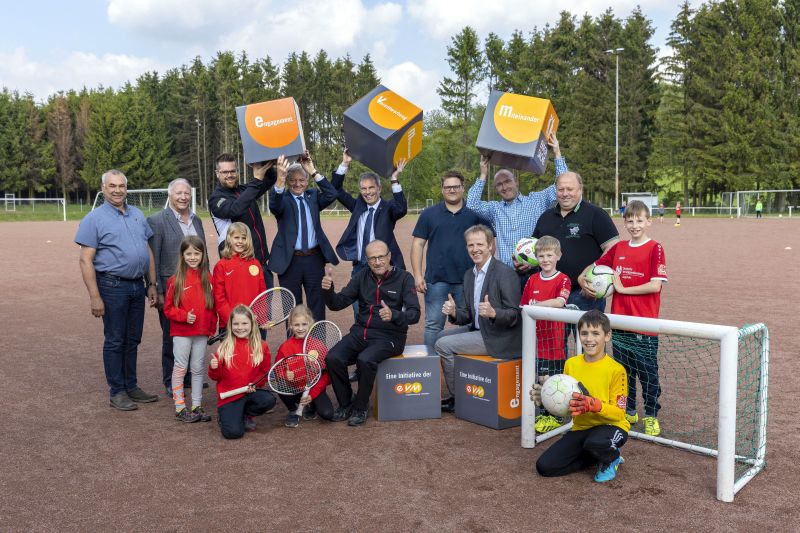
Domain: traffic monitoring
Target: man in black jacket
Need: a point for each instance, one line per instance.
(232, 202)
(388, 304)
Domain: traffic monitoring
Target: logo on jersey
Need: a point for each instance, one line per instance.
(573, 231)
(254, 270)
(622, 401)
(662, 270)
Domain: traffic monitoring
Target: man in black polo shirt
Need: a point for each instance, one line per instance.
(584, 230)
(442, 227)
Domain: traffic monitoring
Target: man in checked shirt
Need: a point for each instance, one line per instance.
(515, 215)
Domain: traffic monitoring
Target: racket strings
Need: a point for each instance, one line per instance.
(273, 306)
(293, 374)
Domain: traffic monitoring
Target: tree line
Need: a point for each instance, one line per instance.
(718, 112)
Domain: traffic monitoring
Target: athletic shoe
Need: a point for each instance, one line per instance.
(309, 413)
(545, 423)
(632, 418)
(138, 395)
(609, 472)
(249, 423)
(358, 418)
(122, 402)
(651, 426)
(204, 417)
(292, 420)
(353, 377)
(185, 415)
(449, 405)
(341, 414)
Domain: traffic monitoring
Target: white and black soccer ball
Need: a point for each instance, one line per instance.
(525, 251)
(557, 392)
(601, 280)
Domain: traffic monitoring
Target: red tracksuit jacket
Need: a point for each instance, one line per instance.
(236, 281)
(241, 372)
(192, 300)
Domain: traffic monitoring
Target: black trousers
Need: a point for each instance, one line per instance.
(231, 415)
(306, 272)
(577, 450)
(366, 355)
(322, 404)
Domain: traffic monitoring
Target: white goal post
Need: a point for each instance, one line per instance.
(778, 202)
(147, 200)
(53, 206)
(733, 360)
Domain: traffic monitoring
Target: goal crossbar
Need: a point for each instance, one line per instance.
(728, 338)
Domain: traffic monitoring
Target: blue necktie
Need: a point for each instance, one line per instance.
(366, 235)
(301, 206)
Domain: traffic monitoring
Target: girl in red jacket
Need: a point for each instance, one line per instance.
(242, 359)
(238, 277)
(317, 402)
(189, 306)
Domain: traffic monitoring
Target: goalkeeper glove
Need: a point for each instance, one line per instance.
(536, 391)
(581, 403)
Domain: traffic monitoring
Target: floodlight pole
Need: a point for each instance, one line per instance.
(616, 52)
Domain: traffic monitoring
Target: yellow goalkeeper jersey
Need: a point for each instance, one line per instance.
(607, 381)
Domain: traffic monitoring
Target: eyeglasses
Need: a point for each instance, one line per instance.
(451, 188)
(227, 172)
(377, 258)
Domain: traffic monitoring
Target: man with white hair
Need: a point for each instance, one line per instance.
(170, 226)
(118, 269)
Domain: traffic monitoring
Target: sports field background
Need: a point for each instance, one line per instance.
(72, 463)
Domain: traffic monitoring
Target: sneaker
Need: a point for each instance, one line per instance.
(353, 377)
(309, 413)
(292, 420)
(545, 423)
(341, 414)
(185, 415)
(140, 396)
(204, 417)
(122, 401)
(632, 418)
(651, 426)
(358, 418)
(449, 405)
(249, 423)
(609, 472)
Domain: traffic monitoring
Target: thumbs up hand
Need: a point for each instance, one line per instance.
(191, 317)
(449, 307)
(385, 313)
(327, 280)
(485, 309)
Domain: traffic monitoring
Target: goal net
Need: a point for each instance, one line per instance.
(148, 200)
(785, 202)
(33, 208)
(691, 357)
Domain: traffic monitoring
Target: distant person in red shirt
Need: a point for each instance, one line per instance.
(189, 306)
(677, 213)
(641, 269)
(548, 288)
(238, 276)
(317, 403)
(242, 359)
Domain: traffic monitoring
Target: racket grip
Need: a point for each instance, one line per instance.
(299, 410)
(234, 392)
(215, 338)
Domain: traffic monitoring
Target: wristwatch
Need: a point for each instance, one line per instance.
(314, 175)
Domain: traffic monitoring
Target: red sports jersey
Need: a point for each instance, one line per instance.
(636, 265)
(549, 335)
(236, 281)
(294, 346)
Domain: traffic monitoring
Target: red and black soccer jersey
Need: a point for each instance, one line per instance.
(636, 265)
(549, 335)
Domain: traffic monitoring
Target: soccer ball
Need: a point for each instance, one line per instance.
(525, 251)
(557, 392)
(601, 280)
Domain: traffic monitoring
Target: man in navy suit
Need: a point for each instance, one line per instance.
(372, 218)
(301, 248)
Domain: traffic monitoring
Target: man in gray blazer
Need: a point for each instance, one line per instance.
(170, 226)
(488, 312)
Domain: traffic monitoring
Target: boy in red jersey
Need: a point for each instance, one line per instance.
(548, 288)
(640, 270)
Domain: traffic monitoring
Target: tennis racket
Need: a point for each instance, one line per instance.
(271, 308)
(322, 336)
(291, 375)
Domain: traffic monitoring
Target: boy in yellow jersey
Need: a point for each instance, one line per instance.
(598, 415)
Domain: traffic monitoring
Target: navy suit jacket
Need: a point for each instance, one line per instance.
(284, 207)
(387, 214)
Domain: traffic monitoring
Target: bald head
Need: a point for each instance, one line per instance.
(569, 190)
(378, 257)
(506, 185)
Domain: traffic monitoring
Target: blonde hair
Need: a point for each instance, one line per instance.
(300, 310)
(548, 243)
(238, 227)
(225, 351)
(192, 241)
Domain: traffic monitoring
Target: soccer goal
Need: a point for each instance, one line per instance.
(776, 202)
(35, 208)
(692, 357)
(148, 200)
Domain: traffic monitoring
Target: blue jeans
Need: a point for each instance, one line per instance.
(435, 297)
(123, 321)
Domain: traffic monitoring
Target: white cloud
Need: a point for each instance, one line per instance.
(74, 71)
(413, 83)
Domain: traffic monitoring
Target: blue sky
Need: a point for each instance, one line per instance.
(47, 46)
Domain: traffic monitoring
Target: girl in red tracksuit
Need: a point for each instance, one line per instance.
(241, 360)
(189, 306)
(300, 321)
(238, 277)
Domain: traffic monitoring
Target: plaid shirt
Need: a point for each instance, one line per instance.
(515, 219)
